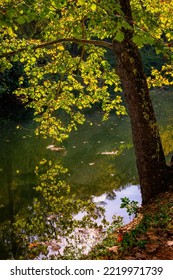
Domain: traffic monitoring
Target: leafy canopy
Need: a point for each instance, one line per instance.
(42, 35)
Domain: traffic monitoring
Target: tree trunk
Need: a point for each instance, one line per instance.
(150, 158)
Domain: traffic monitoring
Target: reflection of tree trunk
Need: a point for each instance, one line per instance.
(148, 148)
(9, 175)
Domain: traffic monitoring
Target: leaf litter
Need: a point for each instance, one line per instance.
(148, 237)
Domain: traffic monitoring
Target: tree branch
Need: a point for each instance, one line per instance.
(58, 41)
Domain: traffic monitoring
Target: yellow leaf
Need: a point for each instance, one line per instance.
(93, 7)
(43, 161)
(60, 48)
(81, 2)
(10, 31)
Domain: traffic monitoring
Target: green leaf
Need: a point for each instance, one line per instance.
(119, 36)
(21, 20)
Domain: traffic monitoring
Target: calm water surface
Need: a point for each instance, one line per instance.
(99, 157)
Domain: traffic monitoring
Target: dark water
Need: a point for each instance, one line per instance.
(99, 157)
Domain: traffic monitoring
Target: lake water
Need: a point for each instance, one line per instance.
(99, 158)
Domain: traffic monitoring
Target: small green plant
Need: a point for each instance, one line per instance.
(117, 222)
(141, 243)
(131, 206)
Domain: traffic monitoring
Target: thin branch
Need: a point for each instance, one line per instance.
(58, 41)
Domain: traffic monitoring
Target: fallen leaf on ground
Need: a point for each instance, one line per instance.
(114, 249)
(150, 248)
(120, 237)
(140, 256)
(170, 243)
(152, 235)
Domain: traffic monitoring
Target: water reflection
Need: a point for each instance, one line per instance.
(50, 184)
(112, 207)
(44, 185)
(111, 202)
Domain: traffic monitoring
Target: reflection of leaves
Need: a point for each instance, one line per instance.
(122, 147)
(111, 195)
(52, 212)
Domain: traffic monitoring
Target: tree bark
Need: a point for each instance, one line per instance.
(150, 158)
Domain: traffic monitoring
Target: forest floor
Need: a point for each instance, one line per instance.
(148, 237)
